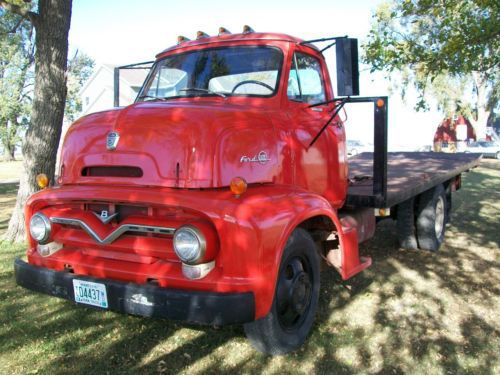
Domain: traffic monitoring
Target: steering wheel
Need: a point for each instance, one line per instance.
(251, 81)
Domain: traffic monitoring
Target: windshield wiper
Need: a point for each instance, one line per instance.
(152, 97)
(204, 90)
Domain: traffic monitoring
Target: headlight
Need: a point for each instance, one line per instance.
(189, 244)
(40, 227)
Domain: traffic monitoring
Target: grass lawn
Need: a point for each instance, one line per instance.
(411, 312)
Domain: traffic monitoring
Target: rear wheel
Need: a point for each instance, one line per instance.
(287, 325)
(431, 218)
(405, 224)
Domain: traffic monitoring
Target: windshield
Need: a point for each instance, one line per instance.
(230, 71)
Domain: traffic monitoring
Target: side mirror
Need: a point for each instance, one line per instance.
(347, 67)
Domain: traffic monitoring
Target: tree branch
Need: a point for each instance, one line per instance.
(23, 12)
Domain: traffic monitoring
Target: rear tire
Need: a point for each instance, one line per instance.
(288, 323)
(405, 224)
(448, 203)
(431, 218)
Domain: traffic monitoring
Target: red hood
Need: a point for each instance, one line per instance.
(175, 144)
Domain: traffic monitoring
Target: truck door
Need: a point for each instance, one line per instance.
(322, 167)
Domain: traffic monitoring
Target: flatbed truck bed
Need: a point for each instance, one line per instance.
(408, 174)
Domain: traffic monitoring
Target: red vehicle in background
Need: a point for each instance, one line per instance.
(216, 196)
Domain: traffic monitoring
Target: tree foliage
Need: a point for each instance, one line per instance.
(51, 21)
(449, 49)
(16, 78)
(80, 68)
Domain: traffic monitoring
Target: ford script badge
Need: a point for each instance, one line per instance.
(112, 140)
(260, 158)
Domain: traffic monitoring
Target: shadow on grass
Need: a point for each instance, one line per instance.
(411, 312)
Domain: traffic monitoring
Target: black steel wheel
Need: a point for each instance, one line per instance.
(431, 218)
(286, 326)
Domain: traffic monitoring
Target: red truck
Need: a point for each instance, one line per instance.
(217, 195)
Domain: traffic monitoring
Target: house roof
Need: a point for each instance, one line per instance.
(129, 77)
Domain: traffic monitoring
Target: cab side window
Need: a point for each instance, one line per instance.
(305, 82)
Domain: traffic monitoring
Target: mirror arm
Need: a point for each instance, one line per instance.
(325, 102)
(337, 110)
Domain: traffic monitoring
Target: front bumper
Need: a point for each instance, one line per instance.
(145, 300)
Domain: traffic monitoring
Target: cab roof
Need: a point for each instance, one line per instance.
(252, 36)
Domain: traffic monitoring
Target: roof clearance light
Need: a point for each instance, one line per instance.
(223, 31)
(380, 103)
(201, 35)
(247, 29)
(182, 39)
(238, 186)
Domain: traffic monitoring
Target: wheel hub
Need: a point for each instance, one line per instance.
(293, 293)
(301, 290)
(439, 222)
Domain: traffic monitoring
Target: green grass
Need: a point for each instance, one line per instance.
(7, 201)
(10, 170)
(411, 312)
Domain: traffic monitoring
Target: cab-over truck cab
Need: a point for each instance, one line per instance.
(213, 198)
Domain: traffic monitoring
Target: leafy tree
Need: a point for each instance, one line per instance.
(80, 68)
(448, 49)
(51, 21)
(16, 59)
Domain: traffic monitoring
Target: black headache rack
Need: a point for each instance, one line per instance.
(382, 179)
(378, 177)
(146, 65)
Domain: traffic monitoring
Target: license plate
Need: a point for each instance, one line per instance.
(90, 293)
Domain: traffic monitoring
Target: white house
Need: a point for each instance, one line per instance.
(97, 94)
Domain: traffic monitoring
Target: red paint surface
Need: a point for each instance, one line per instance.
(189, 149)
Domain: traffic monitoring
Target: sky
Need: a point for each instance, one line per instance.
(128, 31)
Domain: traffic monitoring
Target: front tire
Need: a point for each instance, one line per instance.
(288, 323)
(431, 218)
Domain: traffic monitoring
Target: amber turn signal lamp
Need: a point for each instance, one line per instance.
(238, 186)
(42, 180)
(380, 103)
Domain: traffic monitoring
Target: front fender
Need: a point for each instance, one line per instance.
(263, 221)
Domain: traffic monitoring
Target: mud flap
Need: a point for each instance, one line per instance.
(346, 258)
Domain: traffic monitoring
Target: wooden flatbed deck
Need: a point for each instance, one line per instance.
(408, 174)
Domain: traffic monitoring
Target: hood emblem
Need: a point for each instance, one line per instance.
(105, 217)
(260, 158)
(112, 140)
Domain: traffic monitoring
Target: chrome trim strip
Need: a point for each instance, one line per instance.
(116, 233)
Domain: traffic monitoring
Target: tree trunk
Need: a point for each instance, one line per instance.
(479, 123)
(8, 151)
(42, 137)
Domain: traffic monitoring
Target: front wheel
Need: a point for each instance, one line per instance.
(286, 326)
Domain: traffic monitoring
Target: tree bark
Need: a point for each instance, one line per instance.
(480, 122)
(8, 150)
(52, 23)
